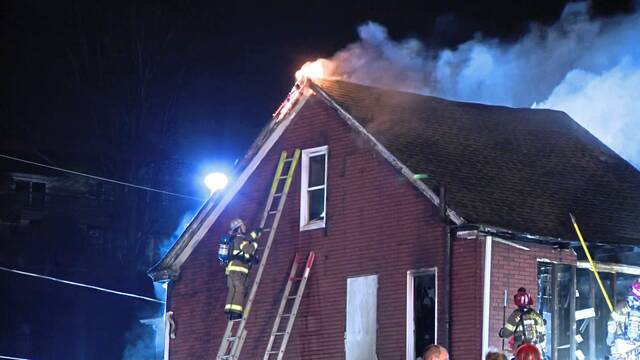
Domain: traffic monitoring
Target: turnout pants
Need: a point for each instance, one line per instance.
(236, 294)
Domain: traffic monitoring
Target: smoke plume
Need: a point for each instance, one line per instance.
(587, 67)
(185, 220)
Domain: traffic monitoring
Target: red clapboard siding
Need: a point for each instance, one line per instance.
(377, 223)
(512, 268)
(467, 272)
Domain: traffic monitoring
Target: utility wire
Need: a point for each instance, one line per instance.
(100, 178)
(82, 285)
(12, 358)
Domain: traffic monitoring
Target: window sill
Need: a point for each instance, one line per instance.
(313, 225)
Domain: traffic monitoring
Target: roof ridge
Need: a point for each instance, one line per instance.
(319, 82)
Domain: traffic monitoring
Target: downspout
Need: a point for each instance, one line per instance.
(167, 320)
(446, 268)
(486, 294)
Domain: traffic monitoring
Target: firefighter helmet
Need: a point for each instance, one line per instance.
(527, 352)
(236, 223)
(634, 290)
(633, 300)
(522, 298)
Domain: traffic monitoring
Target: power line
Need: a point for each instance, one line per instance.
(81, 285)
(12, 358)
(100, 178)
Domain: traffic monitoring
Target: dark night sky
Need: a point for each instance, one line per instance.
(141, 82)
(234, 60)
(226, 64)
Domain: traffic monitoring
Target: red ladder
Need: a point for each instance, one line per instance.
(278, 335)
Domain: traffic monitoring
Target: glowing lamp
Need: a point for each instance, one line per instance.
(216, 181)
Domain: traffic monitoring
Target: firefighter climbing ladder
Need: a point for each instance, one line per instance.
(233, 339)
(278, 335)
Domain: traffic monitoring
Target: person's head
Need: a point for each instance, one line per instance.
(435, 352)
(495, 356)
(522, 298)
(527, 352)
(237, 226)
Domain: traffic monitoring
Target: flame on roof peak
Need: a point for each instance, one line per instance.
(318, 69)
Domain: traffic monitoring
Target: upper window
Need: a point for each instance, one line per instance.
(33, 193)
(313, 199)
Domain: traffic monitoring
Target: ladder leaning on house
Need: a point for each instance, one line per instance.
(234, 336)
(278, 335)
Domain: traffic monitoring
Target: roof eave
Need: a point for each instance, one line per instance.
(168, 268)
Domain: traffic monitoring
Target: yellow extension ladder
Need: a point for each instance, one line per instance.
(235, 333)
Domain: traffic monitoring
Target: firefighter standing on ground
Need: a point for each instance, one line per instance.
(624, 326)
(242, 255)
(524, 323)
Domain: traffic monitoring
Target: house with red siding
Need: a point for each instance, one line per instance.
(425, 215)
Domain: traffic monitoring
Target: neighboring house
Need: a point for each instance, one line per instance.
(70, 227)
(510, 177)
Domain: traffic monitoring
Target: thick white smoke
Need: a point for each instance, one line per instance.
(589, 68)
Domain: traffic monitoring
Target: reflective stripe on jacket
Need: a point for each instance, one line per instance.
(532, 322)
(241, 254)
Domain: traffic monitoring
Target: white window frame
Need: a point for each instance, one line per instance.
(305, 224)
(411, 275)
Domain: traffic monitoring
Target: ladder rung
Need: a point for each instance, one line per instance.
(296, 278)
(236, 341)
(291, 297)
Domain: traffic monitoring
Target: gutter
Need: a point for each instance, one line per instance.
(506, 234)
(447, 268)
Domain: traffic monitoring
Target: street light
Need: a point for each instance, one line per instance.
(216, 181)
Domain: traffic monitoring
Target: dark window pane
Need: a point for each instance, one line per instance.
(22, 186)
(316, 204)
(316, 170)
(38, 191)
(38, 187)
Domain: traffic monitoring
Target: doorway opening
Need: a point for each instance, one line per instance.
(421, 312)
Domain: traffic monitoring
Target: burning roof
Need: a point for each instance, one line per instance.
(518, 169)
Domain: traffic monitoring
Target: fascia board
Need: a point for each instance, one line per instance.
(169, 266)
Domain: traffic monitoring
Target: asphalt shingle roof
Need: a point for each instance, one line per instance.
(515, 168)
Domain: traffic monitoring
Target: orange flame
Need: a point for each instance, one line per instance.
(314, 69)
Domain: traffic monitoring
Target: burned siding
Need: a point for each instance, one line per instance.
(377, 223)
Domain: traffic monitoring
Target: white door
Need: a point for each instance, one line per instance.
(362, 304)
